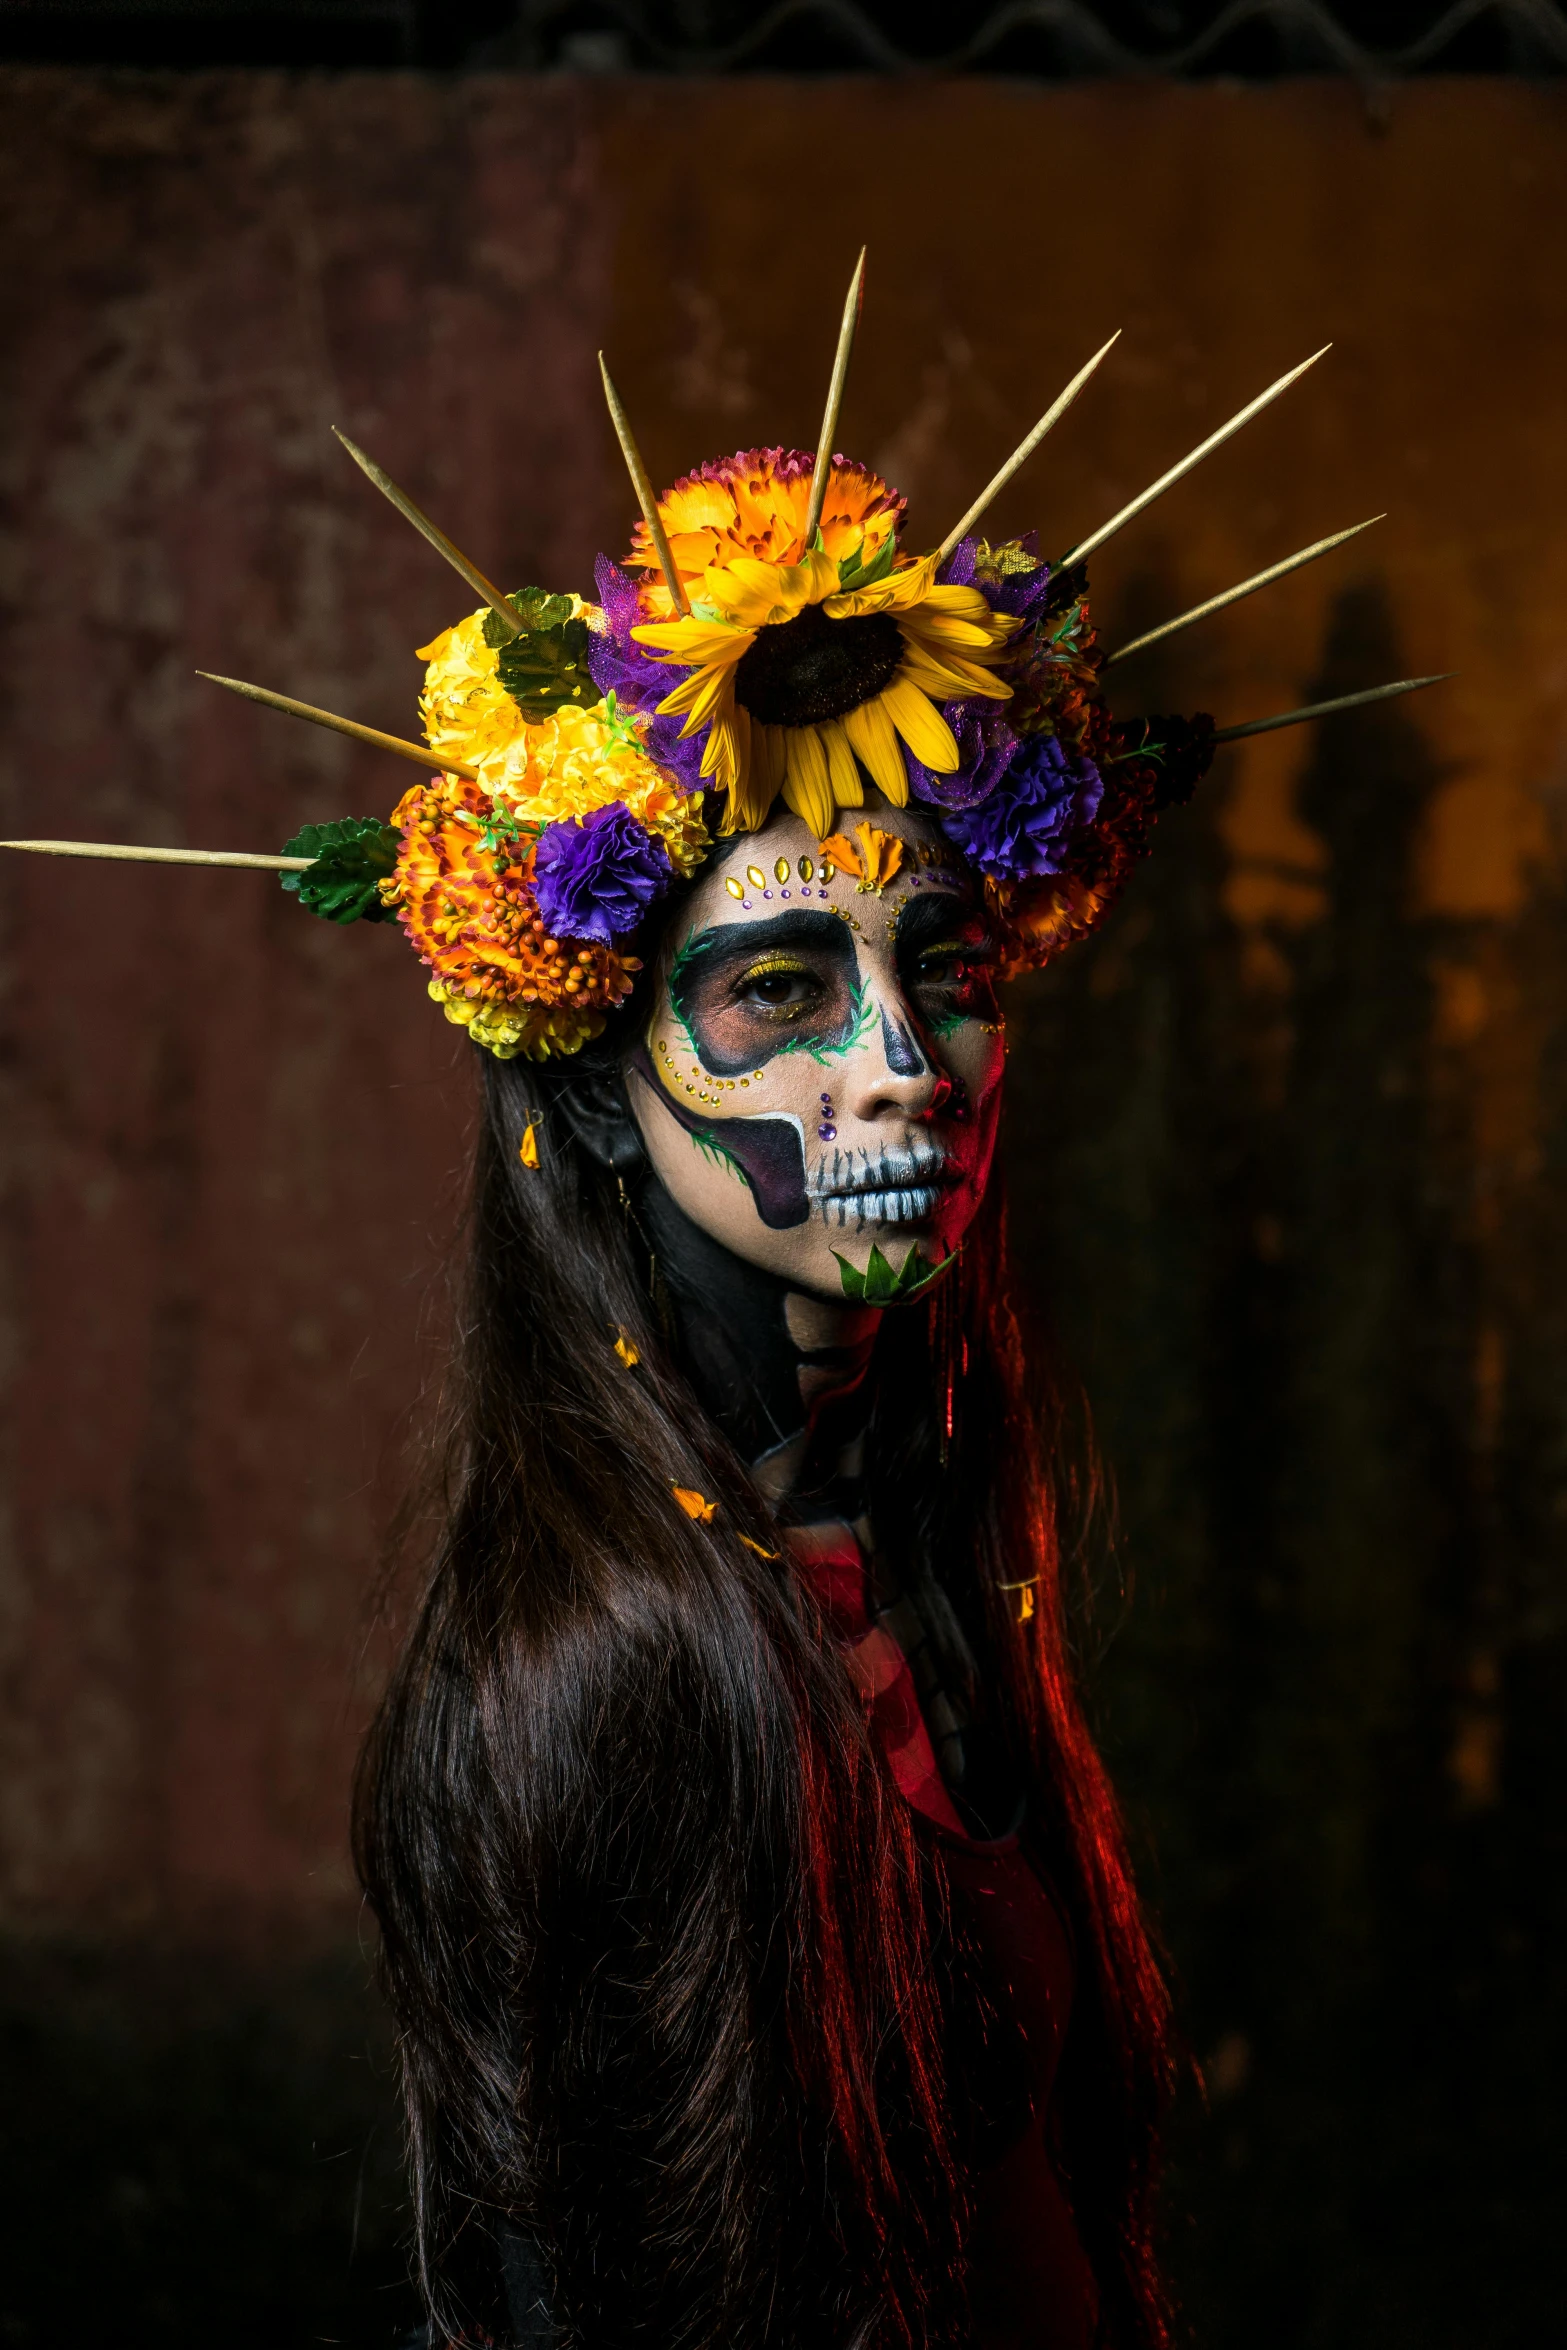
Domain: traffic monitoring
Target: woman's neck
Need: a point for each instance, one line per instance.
(787, 1376)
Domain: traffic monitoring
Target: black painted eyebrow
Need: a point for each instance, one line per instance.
(924, 920)
(735, 941)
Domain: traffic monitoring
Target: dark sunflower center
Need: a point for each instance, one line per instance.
(804, 670)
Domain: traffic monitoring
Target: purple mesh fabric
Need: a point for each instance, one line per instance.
(985, 747)
(638, 681)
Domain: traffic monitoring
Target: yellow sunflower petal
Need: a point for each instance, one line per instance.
(948, 681)
(875, 744)
(770, 758)
(693, 641)
(847, 788)
(721, 759)
(702, 695)
(921, 725)
(807, 786)
(898, 593)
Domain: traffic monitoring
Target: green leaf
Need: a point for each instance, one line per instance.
(547, 665)
(879, 1285)
(351, 857)
(855, 572)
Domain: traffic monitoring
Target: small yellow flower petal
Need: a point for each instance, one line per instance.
(624, 1348)
(528, 1150)
(695, 1505)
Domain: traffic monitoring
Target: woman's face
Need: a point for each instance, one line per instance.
(821, 1074)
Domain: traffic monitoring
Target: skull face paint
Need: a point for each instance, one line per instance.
(878, 1003)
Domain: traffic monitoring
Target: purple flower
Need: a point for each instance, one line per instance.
(985, 747)
(599, 876)
(1022, 593)
(1027, 823)
(638, 680)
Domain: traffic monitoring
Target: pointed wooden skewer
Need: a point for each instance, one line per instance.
(431, 761)
(139, 856)
(821, 472)
(1022, 453)
(1375, 693)
(1085, 547)
(437, 538)
(1248, 587)
(643, 486)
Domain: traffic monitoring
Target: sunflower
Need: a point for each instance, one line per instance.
(808, 664)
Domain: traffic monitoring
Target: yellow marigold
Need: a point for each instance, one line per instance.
(470, 914)
(575, 761)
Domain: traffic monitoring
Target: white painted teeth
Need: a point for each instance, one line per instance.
(903, 1206)
(855, 1175)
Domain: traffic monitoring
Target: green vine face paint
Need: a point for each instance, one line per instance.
(821, 1073)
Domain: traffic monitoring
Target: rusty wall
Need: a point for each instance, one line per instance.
(234, 1137)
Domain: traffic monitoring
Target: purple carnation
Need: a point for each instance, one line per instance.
(1026, 824)
(638, 679)
(599, 876)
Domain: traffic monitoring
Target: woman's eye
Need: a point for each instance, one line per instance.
(780, 987)
(953, 966)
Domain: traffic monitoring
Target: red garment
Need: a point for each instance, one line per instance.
(1012, 1978)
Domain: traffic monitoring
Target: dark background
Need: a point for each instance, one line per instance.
(1288, 1144)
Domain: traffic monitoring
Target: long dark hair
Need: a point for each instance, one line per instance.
(652, 1918)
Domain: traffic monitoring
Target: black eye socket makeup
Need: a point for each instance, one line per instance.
(745, 991)
(946, 956)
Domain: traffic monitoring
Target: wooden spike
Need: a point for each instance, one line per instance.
(821, 472)
(1022, 453)
(1085, 547)
(643, 486)
(437, 538)
(139, 856)
(1374, 693)
(1248, 587)
(421, 755)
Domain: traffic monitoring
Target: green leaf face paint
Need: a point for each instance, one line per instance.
(879, 1285)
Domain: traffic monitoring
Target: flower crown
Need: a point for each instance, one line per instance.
(768, 636)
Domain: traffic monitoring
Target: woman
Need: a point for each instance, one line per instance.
(752, 1901)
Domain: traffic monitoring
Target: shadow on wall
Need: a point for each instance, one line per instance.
(197, 2153)
(1297, 1197)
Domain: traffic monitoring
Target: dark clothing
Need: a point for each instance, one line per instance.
(1009, 2001)
(1005, 1963)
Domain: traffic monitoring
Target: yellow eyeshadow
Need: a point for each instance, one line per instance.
(776, 963)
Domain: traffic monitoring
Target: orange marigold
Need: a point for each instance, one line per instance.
(469, 912)
(754, 504)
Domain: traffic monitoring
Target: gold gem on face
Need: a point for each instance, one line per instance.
(735, 888)
(807, 868)
(756, 877)
(781, 869)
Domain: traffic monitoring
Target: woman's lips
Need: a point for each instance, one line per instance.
(892, 1185)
